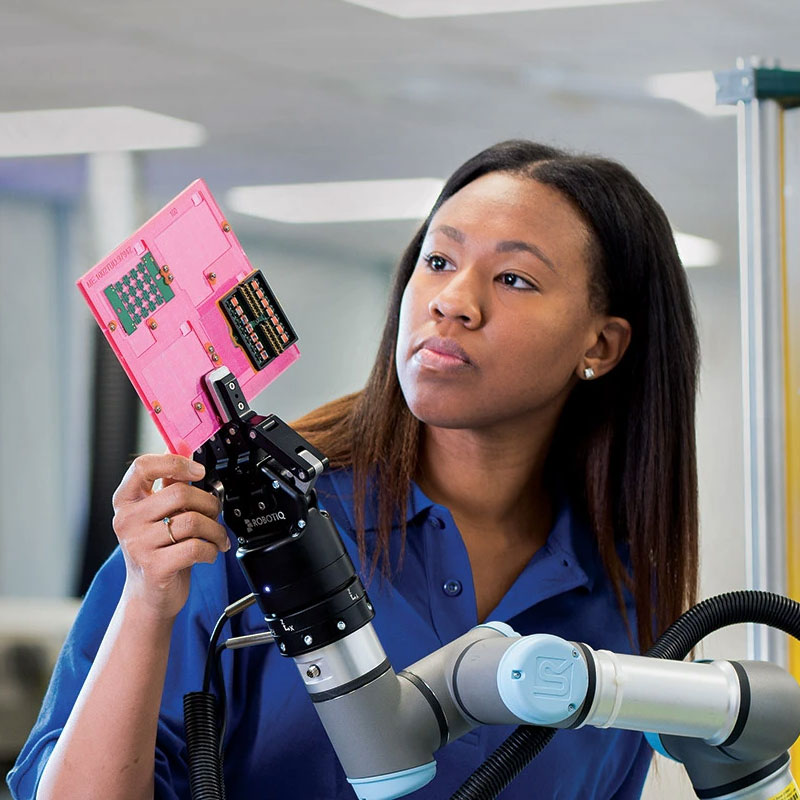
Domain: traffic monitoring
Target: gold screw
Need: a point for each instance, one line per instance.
(157, 408)
(198, 406)
(112, 326)
(212, 276)
(153, 324)
(226, 226)
(215, 358)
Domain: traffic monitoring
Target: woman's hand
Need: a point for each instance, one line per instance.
(158, 569)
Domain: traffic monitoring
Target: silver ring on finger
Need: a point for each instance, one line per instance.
(167, 521)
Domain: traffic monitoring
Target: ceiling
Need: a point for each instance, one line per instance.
(317, 90)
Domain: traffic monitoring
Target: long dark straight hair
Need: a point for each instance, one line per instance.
(625, 443)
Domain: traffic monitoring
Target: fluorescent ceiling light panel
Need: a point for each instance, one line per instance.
(344, 201)
(697, 90)
(410, 9)
(695, 251)
(93, 130)
(369, 201)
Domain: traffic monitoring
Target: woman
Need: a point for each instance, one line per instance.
(523, 451)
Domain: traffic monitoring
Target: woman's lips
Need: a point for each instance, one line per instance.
(442, 354)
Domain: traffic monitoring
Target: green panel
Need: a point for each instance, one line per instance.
(158, 279)
(150, 263)
(128, 306)
(165, 291)
(119, 309)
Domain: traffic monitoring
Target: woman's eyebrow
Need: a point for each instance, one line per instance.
(526, 247)
(502, 247)
(452, 233)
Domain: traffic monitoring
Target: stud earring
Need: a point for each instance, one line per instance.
(588, 373)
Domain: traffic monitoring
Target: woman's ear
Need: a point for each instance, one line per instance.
(611, 341)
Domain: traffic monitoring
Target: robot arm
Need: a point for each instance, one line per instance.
(314, 603)
(730, 723)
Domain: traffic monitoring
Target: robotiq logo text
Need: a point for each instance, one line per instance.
(266, 519)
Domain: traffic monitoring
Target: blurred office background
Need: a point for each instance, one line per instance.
(315, 91)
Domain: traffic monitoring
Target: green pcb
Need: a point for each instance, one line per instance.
(152, 268)
(138, 293)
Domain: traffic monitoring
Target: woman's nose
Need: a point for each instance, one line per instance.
(458, 300)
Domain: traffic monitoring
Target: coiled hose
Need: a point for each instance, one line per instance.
(718, 612)
(505, 763)
(527, 741)
(202, 746)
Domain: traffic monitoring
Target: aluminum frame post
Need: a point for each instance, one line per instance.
(762, 93)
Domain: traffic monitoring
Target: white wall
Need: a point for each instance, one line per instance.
(721, 482)
(720, 448)
(43, 379)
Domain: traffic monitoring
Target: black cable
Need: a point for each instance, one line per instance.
(204, 724)
(222, 698)
(519, 749)
(718, 612)
(505, 763)
(204, 718)
(202, 746)
(211, 655)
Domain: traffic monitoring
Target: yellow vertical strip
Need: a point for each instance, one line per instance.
(791, 324)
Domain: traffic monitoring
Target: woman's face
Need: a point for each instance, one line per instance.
(495, 319)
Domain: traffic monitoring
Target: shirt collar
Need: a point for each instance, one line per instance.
(555, 568)
(342, 483)
(570, 538)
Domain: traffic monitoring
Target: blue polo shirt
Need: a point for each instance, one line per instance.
(276, 746)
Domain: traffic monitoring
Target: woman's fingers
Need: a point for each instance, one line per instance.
(163, 533)
(140, 513)
(180, 497)
(181, 556)
(191, 525)
(145, 470)
(158, 568)
(192, 514)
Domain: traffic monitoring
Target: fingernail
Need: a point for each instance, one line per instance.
(196, 470)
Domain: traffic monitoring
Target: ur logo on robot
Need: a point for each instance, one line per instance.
(553, 677)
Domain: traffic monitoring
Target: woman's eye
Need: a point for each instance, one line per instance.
(514, 281)
(436, 263)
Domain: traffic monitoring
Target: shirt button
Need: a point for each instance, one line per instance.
(452, 588)
(435, 522)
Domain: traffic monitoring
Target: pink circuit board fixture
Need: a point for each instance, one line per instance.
(179, 299)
